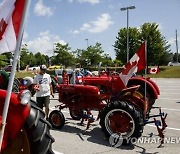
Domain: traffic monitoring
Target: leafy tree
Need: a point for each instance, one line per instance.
(33, 60)
(106, 60)
(24, 59)
(63, 55)
(41, 59)
(3, 59)
(80, 57)
(117, 63)
(121, 43)
(95, 54)
(28, 58)
(92, 56)
(158, 49)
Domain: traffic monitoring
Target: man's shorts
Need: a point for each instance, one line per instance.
(43, 101)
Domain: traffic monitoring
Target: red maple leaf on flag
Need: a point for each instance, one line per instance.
(153, 70)
(136, 63)
(10, 22)
(3, 26)
(128, 67)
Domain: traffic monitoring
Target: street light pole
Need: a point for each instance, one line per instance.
(127, 9)
(127, 35)
(176, 48)
(87, 43)
(54, 47)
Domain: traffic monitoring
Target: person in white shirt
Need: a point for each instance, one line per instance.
(42, 84)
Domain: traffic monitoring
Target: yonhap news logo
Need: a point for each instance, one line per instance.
(116, 140)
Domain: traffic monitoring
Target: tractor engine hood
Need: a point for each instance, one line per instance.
(83, 89)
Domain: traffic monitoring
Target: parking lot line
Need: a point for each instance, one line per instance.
(171, 109)
(169, 99)
(177, 129)
(56, 152)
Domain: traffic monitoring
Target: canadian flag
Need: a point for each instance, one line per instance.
(153, 70)
(11, 12)
(79, 79)
(136, 63)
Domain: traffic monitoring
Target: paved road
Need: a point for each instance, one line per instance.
(73, 138)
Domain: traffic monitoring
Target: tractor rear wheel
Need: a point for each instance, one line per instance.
(56, 118)
(34, 137)
(121, 118)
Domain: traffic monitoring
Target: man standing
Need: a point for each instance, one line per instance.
(44, 89)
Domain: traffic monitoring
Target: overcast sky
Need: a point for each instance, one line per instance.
(75, 21)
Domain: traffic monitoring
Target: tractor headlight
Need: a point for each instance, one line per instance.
(25, 97)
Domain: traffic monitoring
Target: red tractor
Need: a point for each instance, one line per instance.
(122, 110)
(26, 130)
(104, 84)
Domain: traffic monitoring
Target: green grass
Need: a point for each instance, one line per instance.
(167, 72)
(23, 74)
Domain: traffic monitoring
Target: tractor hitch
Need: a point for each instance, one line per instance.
(160, 124)
(87, 117)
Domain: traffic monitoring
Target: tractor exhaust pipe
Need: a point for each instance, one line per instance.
(99, 68)
(74, 77)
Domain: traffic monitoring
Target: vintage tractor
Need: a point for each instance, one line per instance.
(104, 84)
(122, 110)
(26, 130)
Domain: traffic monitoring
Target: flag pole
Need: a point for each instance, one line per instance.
(13, 70)
(145, 69)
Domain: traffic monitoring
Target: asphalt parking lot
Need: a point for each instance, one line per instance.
(73, 138)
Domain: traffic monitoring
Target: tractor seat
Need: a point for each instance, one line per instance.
(129, 89)
(104, 96)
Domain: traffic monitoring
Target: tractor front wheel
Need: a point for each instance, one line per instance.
(76, 114)
(121, 118)
(56, 118)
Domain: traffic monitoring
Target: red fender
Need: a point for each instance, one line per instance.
(16, 117)
(151, 85)
(154, 84)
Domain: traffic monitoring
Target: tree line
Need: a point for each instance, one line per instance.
(158, 51)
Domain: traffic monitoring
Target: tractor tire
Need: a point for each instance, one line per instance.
(151, 99)
(56, 119)
(34, 137)
(37, 129)
(76, 114)
(16, 84)
(121, 118)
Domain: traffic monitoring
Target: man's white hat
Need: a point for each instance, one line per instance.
(43, 67)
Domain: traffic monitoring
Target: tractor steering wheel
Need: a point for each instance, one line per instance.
(114, 73)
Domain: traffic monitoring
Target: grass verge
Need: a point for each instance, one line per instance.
(165, 72)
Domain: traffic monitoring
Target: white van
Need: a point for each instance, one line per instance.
(173, 64)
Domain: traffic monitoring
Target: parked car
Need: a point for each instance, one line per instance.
(82, 72)
(53, 67)
(58, 74)
(173, 64)
(33, 68)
